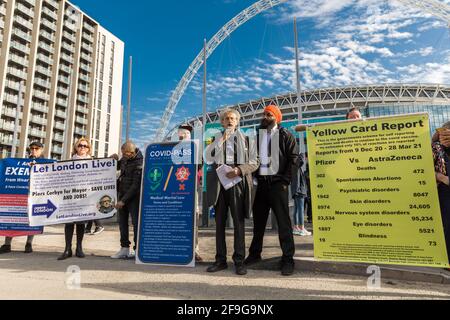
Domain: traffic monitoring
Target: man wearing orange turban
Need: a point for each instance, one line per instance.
(278, 152)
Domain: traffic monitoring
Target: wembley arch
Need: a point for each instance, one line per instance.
(433, 7)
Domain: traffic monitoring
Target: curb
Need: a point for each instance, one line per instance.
(428, 275)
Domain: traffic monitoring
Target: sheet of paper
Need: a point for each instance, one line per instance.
(226, 182)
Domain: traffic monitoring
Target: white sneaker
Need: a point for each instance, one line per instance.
(122, 254)
(132, 254)
(304, 233)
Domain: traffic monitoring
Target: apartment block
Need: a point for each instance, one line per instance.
(60, 79)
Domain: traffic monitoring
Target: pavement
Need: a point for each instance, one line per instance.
(41, 276)
(107, 244)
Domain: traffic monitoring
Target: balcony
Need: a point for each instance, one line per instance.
(84, 77)
(49, 24)
(11, 98)
(19, 60)
(39, 120)
(17, 73)
(83, 98)
(57, 150)
(20, 47)
(86, 57)
(87, 47)
(46, 47)
(6, 140)
(25, 23)
(44, 71)
(58, 137)
(50, 13)
(65, 80)
(60, 126)
(61, 102)
(47, 35)
(69, 36)
(80, 132)
(23, 35)
(69, 47)
(45, 58)
(53, 3)
(39, 107)
(82, 109)
(37, 133)
(63, 91)
(83, 88)
(43, 83)
(82, 121)
(8, 126)
(85, 68)
(60, 114)
(11, 113)
(12, 85)
(41, 95)
(29, 12)
(67, 58)
(88, 37)
(89, 27)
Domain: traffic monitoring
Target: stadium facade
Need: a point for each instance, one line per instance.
(324, 105)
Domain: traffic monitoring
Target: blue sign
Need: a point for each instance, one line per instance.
(167, 212)
(14, 188)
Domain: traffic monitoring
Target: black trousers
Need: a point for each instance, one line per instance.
(68, 234)
(234, 201)
(275, 196)
(130, 209)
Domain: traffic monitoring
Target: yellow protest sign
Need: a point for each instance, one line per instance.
(374, 193)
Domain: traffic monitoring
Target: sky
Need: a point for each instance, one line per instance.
(342, 43)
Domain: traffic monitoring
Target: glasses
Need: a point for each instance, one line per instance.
(35, 149)
(83, 146)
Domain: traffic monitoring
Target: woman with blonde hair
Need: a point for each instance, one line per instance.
(81, 151)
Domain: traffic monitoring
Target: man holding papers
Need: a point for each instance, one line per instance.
(230, 187)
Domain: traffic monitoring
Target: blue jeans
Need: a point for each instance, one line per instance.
(299, 211)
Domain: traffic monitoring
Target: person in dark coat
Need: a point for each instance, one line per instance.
(441, 155)
(36, 151)
(278, 153)
(233, 149)
(299, 190)
(129, 190)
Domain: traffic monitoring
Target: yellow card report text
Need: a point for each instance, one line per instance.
(374, 192)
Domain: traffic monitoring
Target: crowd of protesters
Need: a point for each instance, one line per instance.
(263, 187)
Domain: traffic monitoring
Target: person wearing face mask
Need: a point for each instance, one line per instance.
(234, 150)
(441, 156)
(81, 151)
(129, 190)
(36, 151)
(278, 152)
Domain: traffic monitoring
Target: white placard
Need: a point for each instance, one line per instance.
(72, 191)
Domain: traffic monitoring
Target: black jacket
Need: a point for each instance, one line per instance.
(129, 184)
(288, 155)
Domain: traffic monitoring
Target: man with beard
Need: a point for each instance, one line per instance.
(129, 190)
(278, 151)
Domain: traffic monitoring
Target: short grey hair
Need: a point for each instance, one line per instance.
(446, 125)
(225, 112)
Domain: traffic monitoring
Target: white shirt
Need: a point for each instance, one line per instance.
(265, 169)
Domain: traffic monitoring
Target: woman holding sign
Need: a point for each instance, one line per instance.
(441, 153)
(81, 151)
